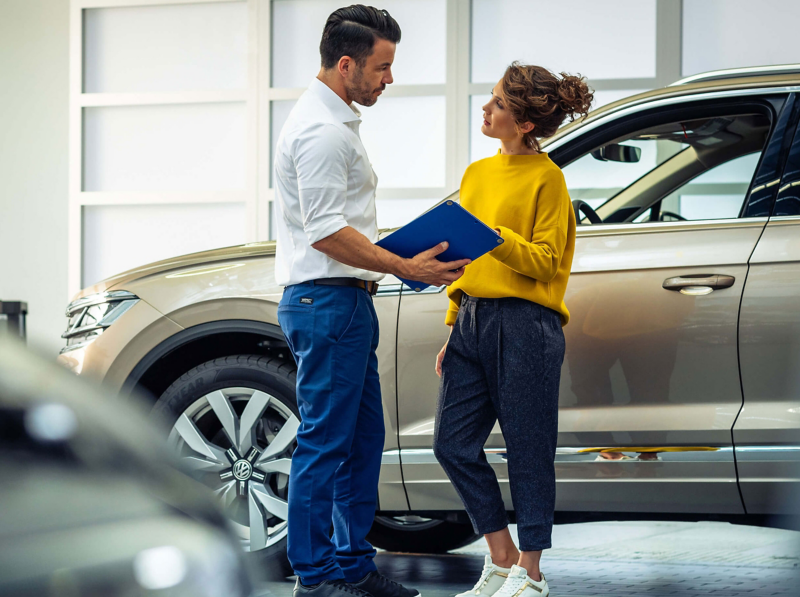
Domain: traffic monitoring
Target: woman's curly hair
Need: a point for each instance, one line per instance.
(534, 94)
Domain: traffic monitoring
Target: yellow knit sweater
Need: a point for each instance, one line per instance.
(525, 197)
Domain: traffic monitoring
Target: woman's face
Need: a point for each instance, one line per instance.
(497, 120)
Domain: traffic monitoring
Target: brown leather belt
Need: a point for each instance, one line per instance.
(369, 286)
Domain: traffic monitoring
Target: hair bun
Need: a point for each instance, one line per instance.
(536, 95)
(575, 97)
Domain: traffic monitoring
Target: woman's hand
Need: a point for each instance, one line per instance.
(440, 356)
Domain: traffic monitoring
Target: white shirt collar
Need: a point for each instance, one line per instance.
(333, 102)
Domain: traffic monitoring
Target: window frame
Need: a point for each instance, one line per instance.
(780, 105)
(790, 177)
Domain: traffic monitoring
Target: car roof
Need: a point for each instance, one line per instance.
(726, 80)
(738, 73)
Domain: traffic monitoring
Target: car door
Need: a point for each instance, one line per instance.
(767, 432)
(651, 373)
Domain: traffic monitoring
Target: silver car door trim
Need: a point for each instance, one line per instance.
(426, 456)
(389, 289)
(767, 453)
(645, 228)
(583, 454)
(779, 220)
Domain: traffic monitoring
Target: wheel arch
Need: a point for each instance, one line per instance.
(200, 343)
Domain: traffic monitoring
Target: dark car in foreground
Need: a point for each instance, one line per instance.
(90, 503)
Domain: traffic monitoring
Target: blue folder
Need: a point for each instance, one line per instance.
(469, 238)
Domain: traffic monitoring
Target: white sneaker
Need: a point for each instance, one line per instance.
(492, 578)
(519, 584)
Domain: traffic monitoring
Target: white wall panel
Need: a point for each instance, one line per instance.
(720, 34)
(601, 40)
(279, 112)
(297, 30)
(197, 147)
(120, 237)
(34, 100)
(405, 140)
(480, 146)
(168, 48)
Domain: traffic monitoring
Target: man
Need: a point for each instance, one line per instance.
(330, 266)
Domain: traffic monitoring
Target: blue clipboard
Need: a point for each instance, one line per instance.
(469, 238)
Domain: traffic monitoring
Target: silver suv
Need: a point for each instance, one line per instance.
(680, 393)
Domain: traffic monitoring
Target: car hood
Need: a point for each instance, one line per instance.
(260, 249)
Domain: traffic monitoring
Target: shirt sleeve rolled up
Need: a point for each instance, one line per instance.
(321, 161)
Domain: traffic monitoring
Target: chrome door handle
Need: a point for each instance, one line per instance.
(699, 284)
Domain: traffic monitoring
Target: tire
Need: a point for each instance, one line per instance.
(255, 396)
(413, 534)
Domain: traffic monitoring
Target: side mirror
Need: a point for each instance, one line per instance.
(614, 152)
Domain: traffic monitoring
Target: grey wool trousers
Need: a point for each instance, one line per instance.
(503, 362)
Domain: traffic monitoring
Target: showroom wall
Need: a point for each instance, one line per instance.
(34, 75)
(176, 105)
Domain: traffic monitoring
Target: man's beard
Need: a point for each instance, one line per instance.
(360, 92)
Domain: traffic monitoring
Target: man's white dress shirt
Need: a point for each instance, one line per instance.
(323, 183)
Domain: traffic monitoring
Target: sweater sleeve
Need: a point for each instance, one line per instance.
(539, 258)
(455, 305)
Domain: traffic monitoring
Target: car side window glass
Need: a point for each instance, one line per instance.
(692, 169)
(788, 201)
(717, 194)
(595, 180)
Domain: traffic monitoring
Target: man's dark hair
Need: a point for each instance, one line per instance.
(352, 31)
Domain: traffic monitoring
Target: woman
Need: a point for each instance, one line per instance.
(503, 358)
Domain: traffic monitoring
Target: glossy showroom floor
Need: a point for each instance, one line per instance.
(624, 558)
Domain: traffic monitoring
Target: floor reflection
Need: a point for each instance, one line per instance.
(622, 558)
(458, 572)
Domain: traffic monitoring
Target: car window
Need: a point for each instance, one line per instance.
(717, 194)
(694, 169)
(596, 181)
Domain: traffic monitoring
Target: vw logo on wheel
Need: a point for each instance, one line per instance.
(242, 470)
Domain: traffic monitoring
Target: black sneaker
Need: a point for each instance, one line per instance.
(377, 585)
(328, 588)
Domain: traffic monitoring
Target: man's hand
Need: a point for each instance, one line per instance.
(354, 249)
(424, 267)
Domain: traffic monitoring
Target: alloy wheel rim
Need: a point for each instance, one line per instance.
(239, 441)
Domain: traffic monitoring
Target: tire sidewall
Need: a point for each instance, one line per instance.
(228, 372)
(274, 377)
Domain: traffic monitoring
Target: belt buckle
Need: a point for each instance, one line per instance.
(371, 287)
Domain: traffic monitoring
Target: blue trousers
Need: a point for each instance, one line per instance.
(332, 332)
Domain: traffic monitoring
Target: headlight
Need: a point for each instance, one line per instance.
(91, 315)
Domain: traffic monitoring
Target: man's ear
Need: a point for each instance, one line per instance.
(345, 66)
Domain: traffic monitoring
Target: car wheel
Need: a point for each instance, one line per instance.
(419, 535)
(233, 425)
